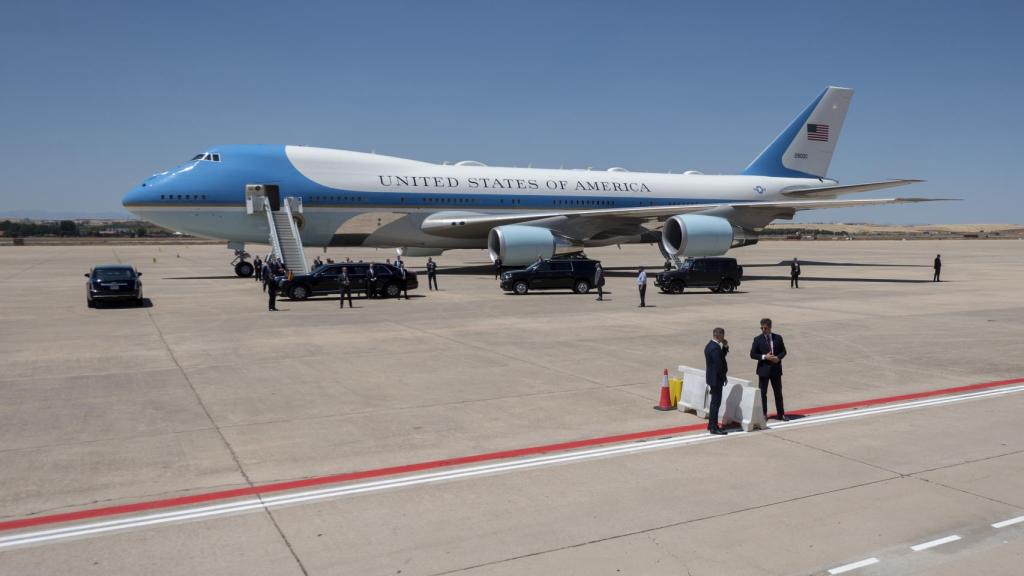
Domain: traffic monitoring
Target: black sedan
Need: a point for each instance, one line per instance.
(324, 280)
(113, 282)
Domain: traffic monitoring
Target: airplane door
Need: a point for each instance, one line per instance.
(273, 193)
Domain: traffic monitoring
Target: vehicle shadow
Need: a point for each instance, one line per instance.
(117, 305)
(225, 277)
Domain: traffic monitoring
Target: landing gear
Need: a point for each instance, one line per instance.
(243, 268)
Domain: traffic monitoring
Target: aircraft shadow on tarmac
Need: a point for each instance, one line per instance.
(823, 263)
(821, 279)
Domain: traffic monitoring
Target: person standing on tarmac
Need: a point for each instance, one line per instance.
(257, 265)
(431, 274)
(371, 281)
(716, 373)
(345, 288)
(266, 275)
(769, 350)
(599, 281)
(497, 267)
(641, 284)
(272, 294)
(403, 280)
(938, 267)
(794, 273)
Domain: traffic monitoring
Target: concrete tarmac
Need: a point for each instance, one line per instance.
(202, 389)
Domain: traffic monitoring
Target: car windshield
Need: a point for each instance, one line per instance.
(535, 265)
(114, 274)
(687, 264)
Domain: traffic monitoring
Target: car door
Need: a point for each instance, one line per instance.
(561, 275)
(698, 273)
(325, 279)
(541, 276)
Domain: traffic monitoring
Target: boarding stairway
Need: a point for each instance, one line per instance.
(285, 239)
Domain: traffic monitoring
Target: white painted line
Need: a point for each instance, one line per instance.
(1009, 522)
(265, 502)
(934, 543)
(853, 566)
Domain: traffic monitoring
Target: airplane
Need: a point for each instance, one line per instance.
(517, 214)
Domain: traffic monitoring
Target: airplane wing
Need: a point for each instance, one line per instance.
(825, 192)
(475, 225)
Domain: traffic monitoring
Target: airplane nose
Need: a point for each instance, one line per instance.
(136, 196)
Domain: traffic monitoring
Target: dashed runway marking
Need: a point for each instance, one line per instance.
(934, 543)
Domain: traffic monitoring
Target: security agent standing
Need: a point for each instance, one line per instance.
(716, 372)
(257, 264)
(403, 279)
(266, 275)
(641, 283)
(794, 273)
(272, 292)
(371, 281)
(938, 267)
(769, 350)
(431, 274)
(599, 280)
(345, 288)
(497, 267)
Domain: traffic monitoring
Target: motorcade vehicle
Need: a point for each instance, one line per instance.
(717, 274)
(576, 274)
(113, 282)
(324, 280)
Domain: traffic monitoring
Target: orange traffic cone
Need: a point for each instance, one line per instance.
(665, 403)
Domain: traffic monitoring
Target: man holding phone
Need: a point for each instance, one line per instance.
(769, 350)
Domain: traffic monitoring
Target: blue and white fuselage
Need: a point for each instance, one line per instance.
(469, 205)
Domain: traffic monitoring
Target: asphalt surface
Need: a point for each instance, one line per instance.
(202, 390)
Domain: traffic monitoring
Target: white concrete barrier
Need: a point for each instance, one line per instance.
(741, 400)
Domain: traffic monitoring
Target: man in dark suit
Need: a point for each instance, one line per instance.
(497, 267)
(345, 287)
(794, 273)
(938, 267)
(716, 369)
(371, 281)
(769, 350)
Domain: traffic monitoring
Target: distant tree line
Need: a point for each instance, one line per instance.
(65, 228)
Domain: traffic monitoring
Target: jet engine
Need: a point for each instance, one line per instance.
(518, 245)
(695, 235)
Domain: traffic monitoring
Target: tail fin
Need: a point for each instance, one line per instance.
(804, 149)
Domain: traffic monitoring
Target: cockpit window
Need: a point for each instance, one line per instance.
(206, 156)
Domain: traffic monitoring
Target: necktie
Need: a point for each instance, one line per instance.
(771, 344)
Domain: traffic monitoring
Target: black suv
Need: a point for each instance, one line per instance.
(113, 282)
(574, 273)
(324, 280)
(718, 274)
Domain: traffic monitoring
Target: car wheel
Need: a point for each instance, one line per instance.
(298, 292)
(392, 290)
(521, 287)
(677, 287)
(582, 287)
(727, 286)
(244, 269)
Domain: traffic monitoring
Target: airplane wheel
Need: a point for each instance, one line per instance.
(244, 269)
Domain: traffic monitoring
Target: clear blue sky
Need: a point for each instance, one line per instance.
(96, 96)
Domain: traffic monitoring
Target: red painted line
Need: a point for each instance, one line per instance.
(433, 464)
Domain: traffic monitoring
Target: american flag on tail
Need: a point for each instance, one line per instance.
(817, 132)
